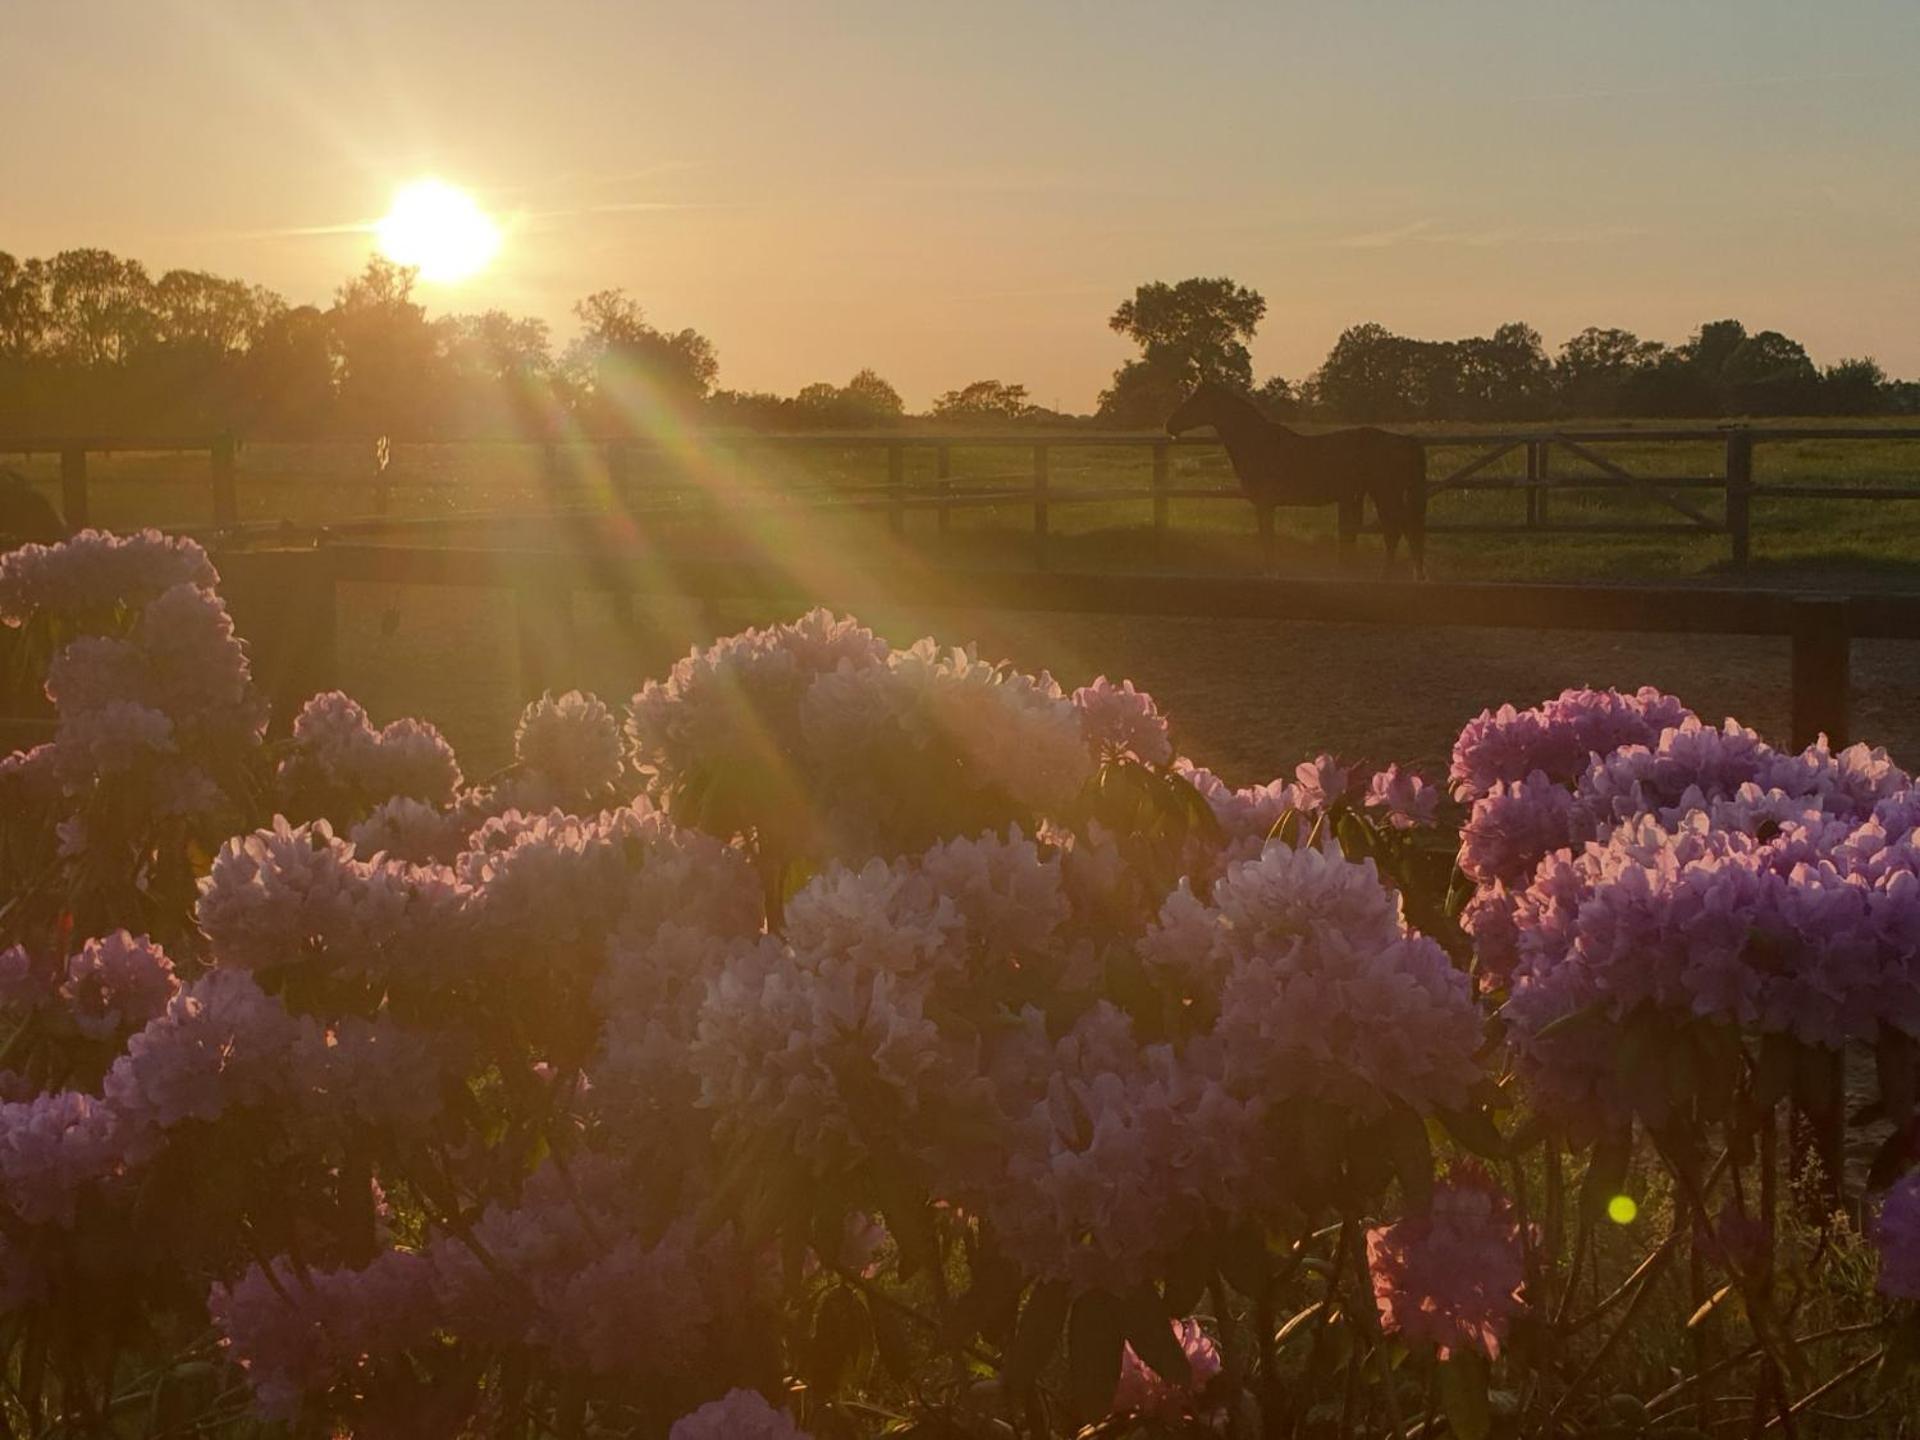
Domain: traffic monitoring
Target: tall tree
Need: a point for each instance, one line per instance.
(628, 372)
(1194, 330)
(1593, 367)
(1198, 327)
(384, 352)
(986, 400)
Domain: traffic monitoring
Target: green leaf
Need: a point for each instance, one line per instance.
(1036, 1336)
(1475, 1132)
(1606, 1172)
(1094, 1340)
(1244, 1260)
(841, 1334)
(1902, 1352)
(1463, 1395)
(1412, 1154)
(1149, 1329)
(890, 1341)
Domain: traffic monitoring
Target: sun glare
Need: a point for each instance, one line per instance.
(439, 230)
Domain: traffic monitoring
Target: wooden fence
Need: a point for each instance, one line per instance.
(286, 600)
(644, 479)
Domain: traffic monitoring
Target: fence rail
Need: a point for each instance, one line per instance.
(1554, 461)
(286, 601)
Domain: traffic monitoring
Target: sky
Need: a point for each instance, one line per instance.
(950, 192)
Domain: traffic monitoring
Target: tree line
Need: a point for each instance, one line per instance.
(1199, 329)
(92, 344)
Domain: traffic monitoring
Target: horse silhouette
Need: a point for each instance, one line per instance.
(1278, 466)
(25, 514)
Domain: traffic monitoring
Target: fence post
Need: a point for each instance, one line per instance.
(282, 601)
(226, 507)
(1159, 496)
(897, 489)
(1740, 494)
(1533, 484)
(73, 486)
(943, 472)
(1040, 536)
(1822, 676)
(1540, 470)
(1269, 544)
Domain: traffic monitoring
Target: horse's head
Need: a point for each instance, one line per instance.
(1202, 407)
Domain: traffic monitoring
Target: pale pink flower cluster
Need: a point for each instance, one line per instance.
(53, 1148)
(116, 984)
(83, 579)
(1120, 721)
(294, 895)
(1405, 800)
(299, 1332)
(571, 1269)
(1322, 991)
(1451, 1278)
(1809, 933)
(741, 695)
(1558, 738)
(1247, 816)
(859, 748)
(848, 998)
(413, 831)
(169, 700)
(339, 755)
(737, 1415)
(1112, 1156)
(1896, 1235)
(567, 753)
(1143, 1391)
(225, 1045)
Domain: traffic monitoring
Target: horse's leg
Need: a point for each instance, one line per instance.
(1352, 510)
(1263, 516)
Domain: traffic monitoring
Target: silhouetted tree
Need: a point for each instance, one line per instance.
(384, 352)
(1593, 367)
(289, 372)
(988, 400)
(1769, 374)
(1277, 399)
(496, 374)
(1194, 330)
(629, 375)
(1855, 387)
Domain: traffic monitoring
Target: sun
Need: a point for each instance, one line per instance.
(439, 230)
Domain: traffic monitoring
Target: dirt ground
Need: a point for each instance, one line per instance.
(1248, 698)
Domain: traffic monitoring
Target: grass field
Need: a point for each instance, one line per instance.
(1795, 540)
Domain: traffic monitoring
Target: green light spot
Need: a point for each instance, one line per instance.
(1622, 1210)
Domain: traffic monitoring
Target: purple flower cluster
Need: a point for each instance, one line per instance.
(1501, 747)
(1143, 1391)
(737, 1415)
(570, 1269)
(1896, 1235)
(1451, 1277)
(84, 579)
(338, 755)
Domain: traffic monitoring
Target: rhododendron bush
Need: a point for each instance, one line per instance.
(845, 1040)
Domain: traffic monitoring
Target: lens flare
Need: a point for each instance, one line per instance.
(439, 230)
(1623, 1210)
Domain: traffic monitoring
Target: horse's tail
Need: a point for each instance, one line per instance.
(1416, 509)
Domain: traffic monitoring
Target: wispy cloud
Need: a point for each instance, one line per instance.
(1432, 232)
